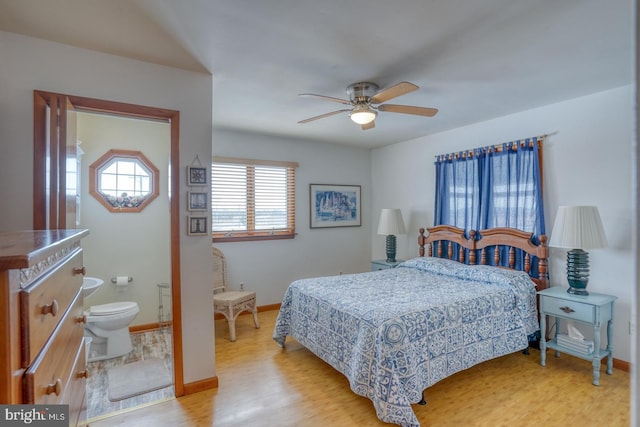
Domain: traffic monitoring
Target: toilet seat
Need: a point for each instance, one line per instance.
(112, 308)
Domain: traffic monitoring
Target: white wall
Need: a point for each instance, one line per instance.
(134, 244)
(268, 267)
(587, 160)
(29, 64)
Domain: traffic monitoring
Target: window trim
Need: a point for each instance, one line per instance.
(107, 157)
(253, 235)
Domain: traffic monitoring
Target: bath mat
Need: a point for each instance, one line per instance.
(137, 378)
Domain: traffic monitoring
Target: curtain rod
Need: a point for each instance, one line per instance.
(497, 147)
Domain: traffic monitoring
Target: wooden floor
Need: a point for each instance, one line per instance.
(264, 385)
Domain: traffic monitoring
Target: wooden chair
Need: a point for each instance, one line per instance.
(230, 303)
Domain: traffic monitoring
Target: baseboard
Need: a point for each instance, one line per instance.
(619, 364)
(201, 385)
(153, 326)
(268, 307)
(147, 327)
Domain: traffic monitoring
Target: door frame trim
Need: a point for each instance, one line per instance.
(41, 99)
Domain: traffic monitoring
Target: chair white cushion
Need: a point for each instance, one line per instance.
(233, 296)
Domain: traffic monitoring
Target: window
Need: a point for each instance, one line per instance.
(123, 181)
(498, 186)
(252, 199)
(488, 187)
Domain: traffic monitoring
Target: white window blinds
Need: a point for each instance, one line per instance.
(252, 199)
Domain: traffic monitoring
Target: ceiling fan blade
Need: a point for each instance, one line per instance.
(322, 116)
(393, 92)
(408, 109)
(369, 125)
(327, 98)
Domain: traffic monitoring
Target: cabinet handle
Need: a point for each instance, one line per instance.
(50, 309)
(55, 388)
(81, 319)
(83, 374)
(80, 270)
(567, 309)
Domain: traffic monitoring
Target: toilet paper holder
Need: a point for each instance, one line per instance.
(115, 279)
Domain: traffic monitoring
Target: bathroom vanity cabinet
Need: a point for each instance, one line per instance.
(42, 355)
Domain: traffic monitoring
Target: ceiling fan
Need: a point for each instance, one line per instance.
(362, 99)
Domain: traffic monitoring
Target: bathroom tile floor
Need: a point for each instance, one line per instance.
(146, 345)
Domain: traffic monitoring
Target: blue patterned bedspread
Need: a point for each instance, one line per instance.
(395, 332)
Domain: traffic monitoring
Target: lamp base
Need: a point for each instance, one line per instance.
(577, 291)
(577, 271)
(391, 248)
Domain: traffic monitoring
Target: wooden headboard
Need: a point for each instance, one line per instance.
(439, 243)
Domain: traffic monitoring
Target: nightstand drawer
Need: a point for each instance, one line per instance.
(568, 309)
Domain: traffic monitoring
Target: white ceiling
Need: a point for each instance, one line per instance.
(473, 60)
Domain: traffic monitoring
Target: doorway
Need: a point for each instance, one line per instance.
(55, 201)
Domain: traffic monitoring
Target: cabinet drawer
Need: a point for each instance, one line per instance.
(76, 389)
(51, 295)
(47, 380)
(569, 309)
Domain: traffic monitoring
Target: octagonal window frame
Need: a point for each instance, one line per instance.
(123, 202)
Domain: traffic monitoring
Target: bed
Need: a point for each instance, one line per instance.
(393, 333)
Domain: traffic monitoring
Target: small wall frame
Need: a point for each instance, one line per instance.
(197, 201)
(196, 175)
(197, 225)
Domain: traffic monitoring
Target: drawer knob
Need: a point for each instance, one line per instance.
(50, 309)
(82, 319)
(80, 270)
(55, 388)
(567, 309)
(83, 374)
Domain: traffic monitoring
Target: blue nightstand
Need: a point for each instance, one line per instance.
(593, 309)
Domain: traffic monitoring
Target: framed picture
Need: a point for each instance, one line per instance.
(334, 205)
(196, 201)
(197, 225)
(196, 175)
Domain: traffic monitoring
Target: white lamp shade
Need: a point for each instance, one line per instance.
(391, 222)
(578, 227)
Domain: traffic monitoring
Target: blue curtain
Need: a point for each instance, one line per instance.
(458, 190)
(496, 186)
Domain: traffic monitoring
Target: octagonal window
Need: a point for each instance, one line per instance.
(123, 180)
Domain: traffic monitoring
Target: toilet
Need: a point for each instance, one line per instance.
(108, 327)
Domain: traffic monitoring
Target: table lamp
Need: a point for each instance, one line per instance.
(391, 225)
(578, 228)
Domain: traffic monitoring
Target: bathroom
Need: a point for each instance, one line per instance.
(130, 247)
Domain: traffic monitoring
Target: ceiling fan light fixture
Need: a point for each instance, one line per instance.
(365, 100)
(363, 116)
